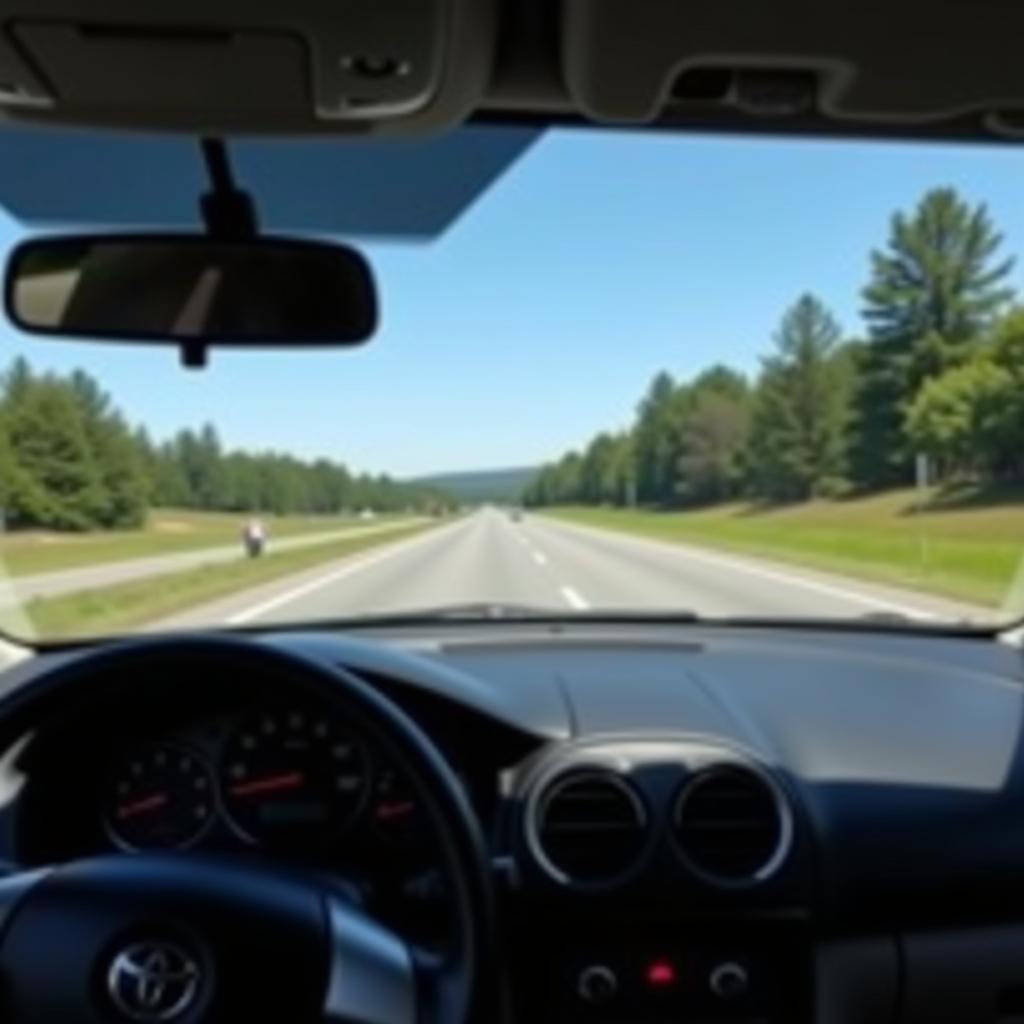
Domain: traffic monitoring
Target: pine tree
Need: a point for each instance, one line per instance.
(801, 409)
(122, 491)
(713, 435)
(655, 442)
(46, 437)
(938, 285)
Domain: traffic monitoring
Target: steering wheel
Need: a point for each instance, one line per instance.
(190, 937)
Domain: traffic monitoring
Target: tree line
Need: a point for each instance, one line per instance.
(939, 372)
(70, 460)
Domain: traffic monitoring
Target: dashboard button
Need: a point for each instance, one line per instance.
(729, 980)
(661, 974)
(597, 984)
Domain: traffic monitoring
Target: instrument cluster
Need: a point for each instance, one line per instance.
(283, 778)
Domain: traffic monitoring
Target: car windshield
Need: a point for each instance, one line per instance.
(616, 372)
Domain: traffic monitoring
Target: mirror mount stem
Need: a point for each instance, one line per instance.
(228, 213)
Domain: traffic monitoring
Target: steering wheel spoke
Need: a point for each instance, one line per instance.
(15, 888)
(373, 974)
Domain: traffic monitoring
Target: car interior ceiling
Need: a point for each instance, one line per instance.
(515, 819)
(772, 69)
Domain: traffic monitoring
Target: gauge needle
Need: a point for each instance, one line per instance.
(149, 803)
(271, 784)
(388, 812)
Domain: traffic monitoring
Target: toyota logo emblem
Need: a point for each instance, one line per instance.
(153, 981)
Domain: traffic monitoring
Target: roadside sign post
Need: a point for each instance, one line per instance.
(922, 475)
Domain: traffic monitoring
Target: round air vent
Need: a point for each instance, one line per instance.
(587, 827)
(732, 825)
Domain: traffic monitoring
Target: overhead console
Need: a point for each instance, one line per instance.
(364, 68)
(635, 61)
(234, 66)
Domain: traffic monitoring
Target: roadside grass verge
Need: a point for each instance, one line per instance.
(167, 531)
(969, 550)
(122, 606)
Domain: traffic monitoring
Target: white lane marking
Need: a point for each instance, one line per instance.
(685, 551)
(540, 558)
(256, 611)
(574, 599)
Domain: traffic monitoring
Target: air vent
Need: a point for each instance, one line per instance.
(732, 825)
(587, 827)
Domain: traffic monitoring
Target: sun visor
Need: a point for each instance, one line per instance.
(232, 66)
(404, 190)
(634, 60)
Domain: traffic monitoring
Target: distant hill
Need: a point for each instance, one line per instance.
(499, 485)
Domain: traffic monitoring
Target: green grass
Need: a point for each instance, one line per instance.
(168, 531)
(123, 606)
(966, 546)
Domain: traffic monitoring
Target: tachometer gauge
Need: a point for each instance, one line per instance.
(293, 778)
(160, 797)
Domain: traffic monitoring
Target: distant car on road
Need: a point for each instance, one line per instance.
(515, 514)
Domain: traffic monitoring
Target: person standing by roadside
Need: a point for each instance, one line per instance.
(254, 537)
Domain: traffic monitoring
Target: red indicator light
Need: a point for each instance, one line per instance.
(662, 974)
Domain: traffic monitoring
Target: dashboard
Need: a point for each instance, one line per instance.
(684, 824)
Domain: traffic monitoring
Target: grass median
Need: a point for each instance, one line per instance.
(967, 547)
(167, 532)
(122, 606)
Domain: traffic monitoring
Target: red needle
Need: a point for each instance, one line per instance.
(149, 803)
(271, 784)
(388, 812)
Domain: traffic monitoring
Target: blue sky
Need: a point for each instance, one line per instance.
(542, 314)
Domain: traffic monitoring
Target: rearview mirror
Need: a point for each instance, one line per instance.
(193, 291)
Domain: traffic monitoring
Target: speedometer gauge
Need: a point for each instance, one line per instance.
(159, 798)
(293, 778)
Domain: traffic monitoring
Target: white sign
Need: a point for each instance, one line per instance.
(923, 471)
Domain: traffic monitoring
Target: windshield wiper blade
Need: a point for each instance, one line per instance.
(490, 611)
(474, 610)
(521, 612)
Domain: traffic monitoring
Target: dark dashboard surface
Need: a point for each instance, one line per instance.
(836, 818)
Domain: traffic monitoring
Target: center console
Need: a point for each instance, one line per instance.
(658, 882)
(645, 971)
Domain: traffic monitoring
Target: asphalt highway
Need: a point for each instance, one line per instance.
(489, 557)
